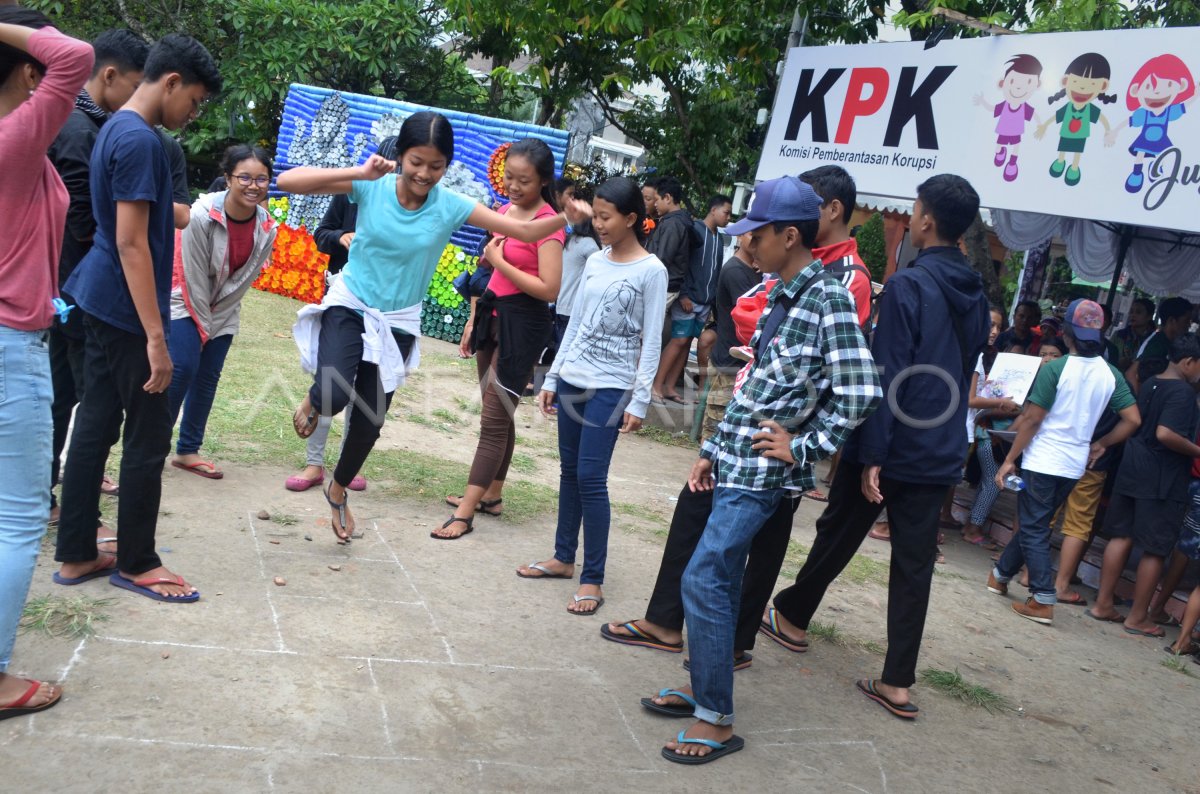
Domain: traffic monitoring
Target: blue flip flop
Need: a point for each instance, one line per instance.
(87, 577)
(671, 709)
(719, 749)
(139, 586)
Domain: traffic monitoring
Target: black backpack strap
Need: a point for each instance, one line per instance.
(779, 311)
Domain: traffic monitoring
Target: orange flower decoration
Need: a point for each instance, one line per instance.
(648, 226)
(496, 168)
(297, 268)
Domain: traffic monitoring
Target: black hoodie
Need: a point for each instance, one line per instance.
(916, 435)
(672, 244)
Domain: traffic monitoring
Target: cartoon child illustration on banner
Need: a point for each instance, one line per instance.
(1085, 81)
(1022, 77)
(1158, 94)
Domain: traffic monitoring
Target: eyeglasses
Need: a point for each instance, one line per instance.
(245, 180)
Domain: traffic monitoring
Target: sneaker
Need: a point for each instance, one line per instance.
(1032, 610)
(743, 353)
(999, 588)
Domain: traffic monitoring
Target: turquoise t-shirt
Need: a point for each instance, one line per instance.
(396, 251)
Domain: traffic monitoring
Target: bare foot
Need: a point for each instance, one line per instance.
(304, 420)
(667, 636)
(73, 570)
(588, 606)
(701, 730)
(790, 631)
(896, 694)
(161, 572)
(55, 514)
(13, 688)
(556, 568)
(105, 539)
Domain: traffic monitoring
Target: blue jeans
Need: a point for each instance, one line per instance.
(712, 589)
(26, 438)
(194, 383)
(1036, 506)
(589, 421)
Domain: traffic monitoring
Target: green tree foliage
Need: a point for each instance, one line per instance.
(872, 247)
(380, 47)
(716, 64)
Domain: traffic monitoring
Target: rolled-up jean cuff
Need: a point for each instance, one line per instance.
(1046, 599)
(712, 717)
(999, 577)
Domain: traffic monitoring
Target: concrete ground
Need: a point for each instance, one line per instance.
(403, 663)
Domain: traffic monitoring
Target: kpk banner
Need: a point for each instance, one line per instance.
(1100, 125)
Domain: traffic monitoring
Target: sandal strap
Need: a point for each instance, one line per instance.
(682, 739)
(34, 686)
(579, 598)
(452, 519)
(686, 698)
(175, 580)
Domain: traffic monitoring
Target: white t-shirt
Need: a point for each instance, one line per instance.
(980, 381)
(1075, 390)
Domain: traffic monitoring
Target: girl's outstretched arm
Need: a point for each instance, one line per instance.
(310, 179)
(528, 231)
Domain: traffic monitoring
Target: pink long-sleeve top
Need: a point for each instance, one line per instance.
(33, 201)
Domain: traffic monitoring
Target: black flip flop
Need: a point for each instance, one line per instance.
(341, 508)
(686, 709)
(720, 749)
(641, 638)
(470, 522)
(486, 506)
(906, 711)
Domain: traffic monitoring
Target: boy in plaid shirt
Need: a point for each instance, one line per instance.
(812, 383)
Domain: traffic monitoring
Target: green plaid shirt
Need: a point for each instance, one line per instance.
(816, 378)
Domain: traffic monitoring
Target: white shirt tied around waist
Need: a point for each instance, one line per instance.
(379, 345)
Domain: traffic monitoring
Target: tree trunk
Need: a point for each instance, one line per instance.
(980, 257)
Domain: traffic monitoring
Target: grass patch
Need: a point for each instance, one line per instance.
(948, 574)
(861, 570)
(449, 417)
(64, 616)
(406, 474)
(828, 632)
(524, 464)
(1180, 664)
(664, 436)
(469, 406)
(640, 512)
(954, 685)
(285, 519)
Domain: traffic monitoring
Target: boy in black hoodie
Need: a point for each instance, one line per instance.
(910, 450)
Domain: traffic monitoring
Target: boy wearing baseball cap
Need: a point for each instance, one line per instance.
(813, 381)
(1067, 400)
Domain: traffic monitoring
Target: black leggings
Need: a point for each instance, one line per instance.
(343, 376)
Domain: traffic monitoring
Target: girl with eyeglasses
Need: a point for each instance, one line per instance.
(222, 251)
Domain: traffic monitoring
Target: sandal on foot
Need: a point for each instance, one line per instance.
(18, 708)
(1076, 601)
(1113, 619)
(1191, 650)
(70, 581)
(341, 508)
(984, 542)
(298, 483)
(581, 598)
(470, 522)
(485, 506)
(1169, 621)
(739, 662)
(546, 573)
(719, 749)
(640, 638)
(816, 495)
(1156, 633)
(770, 628)
(142, 587)
(305, 429)
(212, 473)
(905, 711)
(685, 709)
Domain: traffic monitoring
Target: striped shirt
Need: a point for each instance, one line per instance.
(815, 377)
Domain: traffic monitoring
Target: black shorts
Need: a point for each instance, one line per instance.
(1154, 524)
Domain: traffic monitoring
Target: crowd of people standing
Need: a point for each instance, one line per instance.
(120, 300)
